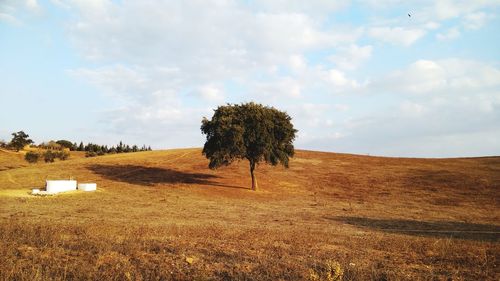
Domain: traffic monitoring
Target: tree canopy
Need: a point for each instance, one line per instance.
(65, 144)
(19, 140)
(248, 131)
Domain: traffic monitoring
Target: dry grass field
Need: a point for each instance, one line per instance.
(163, 215)
(11, 160)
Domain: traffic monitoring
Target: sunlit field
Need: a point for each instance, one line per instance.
(163, 215)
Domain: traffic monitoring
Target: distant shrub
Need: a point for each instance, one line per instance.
(49, 156)
(32, 157)
(63, 155)
(90, 154)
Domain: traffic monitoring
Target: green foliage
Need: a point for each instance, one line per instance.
(62, 155)
(98, 150)
(248, 131)
(32, 157)
(119, 148)
(90, 154)
(49, 156)
(19, 140)
(65, 144)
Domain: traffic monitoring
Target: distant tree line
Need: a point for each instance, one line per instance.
(92, 149)
(52, 150)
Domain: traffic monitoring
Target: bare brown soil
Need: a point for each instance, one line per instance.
(165, 216)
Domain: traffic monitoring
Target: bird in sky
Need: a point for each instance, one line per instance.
(409, 15)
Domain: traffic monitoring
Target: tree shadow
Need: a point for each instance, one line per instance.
(438, 229)
(149, 176)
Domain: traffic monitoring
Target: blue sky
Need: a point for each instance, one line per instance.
(356, 76)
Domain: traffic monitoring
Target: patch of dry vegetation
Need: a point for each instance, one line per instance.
(165, 216)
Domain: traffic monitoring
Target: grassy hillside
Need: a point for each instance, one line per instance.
(11, 160)
(164, 215)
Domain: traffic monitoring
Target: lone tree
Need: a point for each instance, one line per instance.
(19, 140)
(248, 131)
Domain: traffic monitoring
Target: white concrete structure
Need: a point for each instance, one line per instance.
(35, 191)
(87, 186)
(56, 186)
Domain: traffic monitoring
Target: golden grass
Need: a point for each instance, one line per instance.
(11, 160)
(163, 215)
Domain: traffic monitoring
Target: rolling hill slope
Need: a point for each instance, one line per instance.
(11, 160)
(165, 214)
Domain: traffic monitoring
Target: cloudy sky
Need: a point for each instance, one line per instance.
(356, 76)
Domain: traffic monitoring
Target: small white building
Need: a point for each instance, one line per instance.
(56, 186)
(87, 186)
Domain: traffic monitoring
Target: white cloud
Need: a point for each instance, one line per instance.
(211, 93)
(412, 109)
(59, 3)
(338, 78)
(450, 75)
(91, 9)
(119, 81)
(427, 16)
(422, 128)
(397, 35)
(316, 8)
(10, 19)
(8, 10)
(32, 5)
(475, 20)
(450, 34)
(431, 25)
(191, 47)
(275, 90)
(341, 107)
(350, 57)
(16, 12)
(447, 107)
(297, 63)
(163, 125)
(447, 9)
(168, 63)
(434, 10)
(201, 34)
(309, 116)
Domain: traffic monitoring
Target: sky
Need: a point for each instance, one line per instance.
(411, 78)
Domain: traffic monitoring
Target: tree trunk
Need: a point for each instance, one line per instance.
(254, 179)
